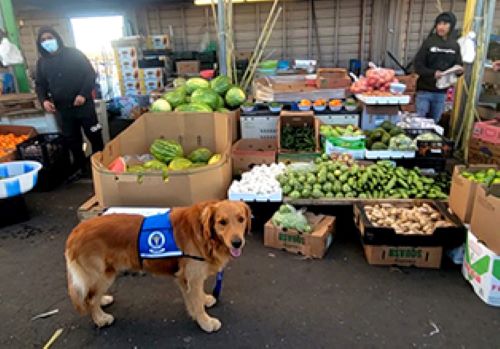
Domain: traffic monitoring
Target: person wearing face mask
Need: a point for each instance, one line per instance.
(64, 83)
(439, 52)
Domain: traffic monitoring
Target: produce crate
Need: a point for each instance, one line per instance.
(247, 153)
(298, 119)
(332, 78)
(442, 148)
(258, 127)
(483, 153)
(442, 236)
(384, 100)
(405, 256)
(437, 164)
(18, 131)
(338, 118)
(51, 151)
(389, 154)
(487, 131)
(314, 244)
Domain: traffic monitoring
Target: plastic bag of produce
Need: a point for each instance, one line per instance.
(290, 218)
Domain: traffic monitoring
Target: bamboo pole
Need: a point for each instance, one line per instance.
(261, 52)
(261, 38)
(461, 87)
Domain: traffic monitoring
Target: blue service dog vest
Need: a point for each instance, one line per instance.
(156, 238)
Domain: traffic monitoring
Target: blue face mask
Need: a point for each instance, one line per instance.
(50, 45)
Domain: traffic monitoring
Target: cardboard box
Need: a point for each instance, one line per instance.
(126, 53)
(152, 73)
(183, 188)
(485, 221)
(130, 75)
(443, 236)
(481, 267)
(250, 152)
(187, 67)
(487, 131)
(491, 77)
(18, 131)
(150, 85)
(481, 152)
(410, 81)
(463, 191)
(405, 256)
(258, 127)
(128, 64)
(312, 245)
(158, 42)
(298, 119)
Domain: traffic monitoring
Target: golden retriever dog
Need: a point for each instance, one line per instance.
(99, 248)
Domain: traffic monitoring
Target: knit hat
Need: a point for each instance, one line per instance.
(447, 17)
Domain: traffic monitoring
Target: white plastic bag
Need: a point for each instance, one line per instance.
(467, 47)
(9, 53)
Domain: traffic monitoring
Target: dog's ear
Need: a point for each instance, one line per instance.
(248, 213)
(207, 221)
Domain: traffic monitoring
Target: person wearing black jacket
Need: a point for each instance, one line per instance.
(64, 82)
(439, 52)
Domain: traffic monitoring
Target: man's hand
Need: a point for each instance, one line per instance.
(49, 106)
(438, 74)
(79, 101)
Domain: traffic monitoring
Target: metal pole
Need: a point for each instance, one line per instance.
(9, 20)
(222, 37)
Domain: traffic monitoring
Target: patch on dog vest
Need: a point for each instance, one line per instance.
(156, 238)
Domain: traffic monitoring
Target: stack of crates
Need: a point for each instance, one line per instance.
(134, 80)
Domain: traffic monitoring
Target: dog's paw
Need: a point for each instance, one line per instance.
(210, 301)
(107, 300)
(104, 320)
(210, 324)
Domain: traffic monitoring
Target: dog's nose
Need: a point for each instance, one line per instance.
(236, 242)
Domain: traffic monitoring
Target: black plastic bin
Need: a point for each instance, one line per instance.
(49, 149)
(13, 211)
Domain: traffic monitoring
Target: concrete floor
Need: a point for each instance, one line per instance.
(270, 298)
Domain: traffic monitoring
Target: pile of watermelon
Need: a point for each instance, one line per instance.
(200, 95)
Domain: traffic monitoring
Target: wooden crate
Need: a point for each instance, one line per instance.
(19, 102)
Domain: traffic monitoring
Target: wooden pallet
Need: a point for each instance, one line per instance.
(16, 103)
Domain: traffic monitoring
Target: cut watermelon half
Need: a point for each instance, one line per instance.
(118, 165)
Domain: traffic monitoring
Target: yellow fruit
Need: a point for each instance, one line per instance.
(214, 159)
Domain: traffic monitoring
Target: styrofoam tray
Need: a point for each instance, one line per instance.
(389, 154)
(384, 100)
(274, 197)
(21, 177)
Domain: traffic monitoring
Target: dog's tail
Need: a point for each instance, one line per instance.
(78, 287)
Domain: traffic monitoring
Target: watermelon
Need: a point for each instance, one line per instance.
(223, 110)
(179, 164)
(161, 105)
(166, 150)
(195, 83)
(194, 107)
(175, 97)
(118, 165)
(220, 102)
(220, 84)
(155, 165)
(235, 97)
(200, 155)
(205, 96)
(178, 82)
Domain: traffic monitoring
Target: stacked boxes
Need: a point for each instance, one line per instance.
(134, 80)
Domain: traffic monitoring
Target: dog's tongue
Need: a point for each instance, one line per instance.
(235, 252)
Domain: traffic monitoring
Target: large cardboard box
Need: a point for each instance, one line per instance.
(463, 191)
(485, 221)
(248, 153)
(312, 245)
(183, 188)
(406, 256)
(297, 119)
(481, 267)
(18, 131)
(187, 67)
